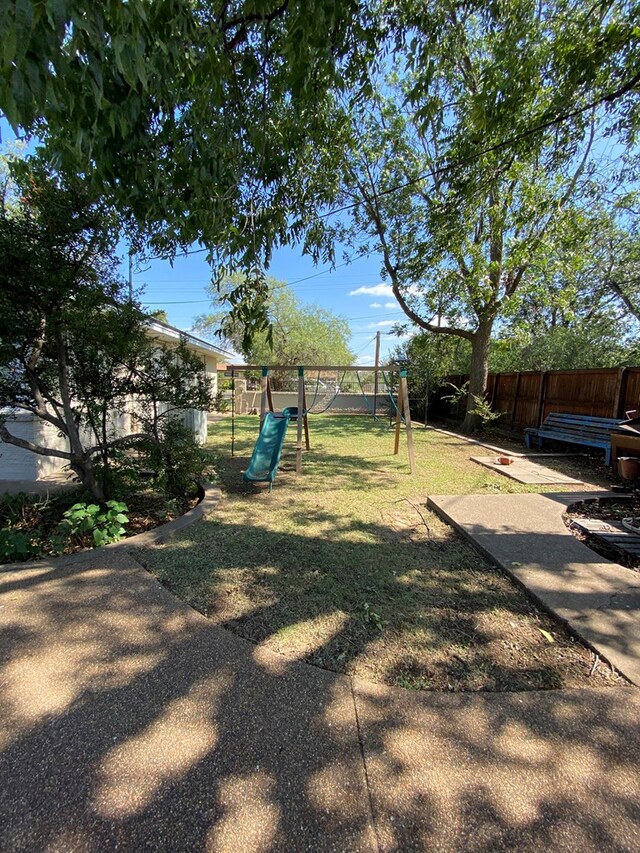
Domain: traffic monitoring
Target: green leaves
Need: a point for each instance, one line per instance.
(74, 350)
(186, 113)
(463, 163)
(283, 330)
(104, 524)
(15, 546)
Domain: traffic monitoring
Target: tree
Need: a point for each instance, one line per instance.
(585, 310)
(73, 349)
(580, 344)
(610, 259)
(295, 334)
(459, 172)
(200, 119)
(160, 314)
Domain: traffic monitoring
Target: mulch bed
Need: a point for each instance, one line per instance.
(40, 516)
(611, 510)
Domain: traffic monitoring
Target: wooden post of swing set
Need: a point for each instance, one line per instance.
(233, 412)
(269, 397)
(299, 420)
(305, 418)
(402, 408)
(263, 395)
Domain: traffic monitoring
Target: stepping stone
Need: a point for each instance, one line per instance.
(524, 470)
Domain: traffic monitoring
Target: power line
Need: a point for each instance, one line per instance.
(517, 137)
(608, 97)
(368, 343)
(307, 277)
(179, 302)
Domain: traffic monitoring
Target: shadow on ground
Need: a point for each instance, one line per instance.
(129, 722)
(393, 601)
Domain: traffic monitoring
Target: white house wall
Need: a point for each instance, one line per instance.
(19, 464)
(211, 367)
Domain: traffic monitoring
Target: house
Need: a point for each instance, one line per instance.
(19, 464)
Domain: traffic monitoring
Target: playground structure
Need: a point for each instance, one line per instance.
(273, 425)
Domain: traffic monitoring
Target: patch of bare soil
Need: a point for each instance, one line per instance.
(607, 509)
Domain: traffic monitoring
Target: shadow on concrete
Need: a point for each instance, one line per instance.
(128, 722)
(505, 772)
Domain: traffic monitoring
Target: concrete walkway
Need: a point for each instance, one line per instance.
(526, 536)
(524, 470)
(128, 722)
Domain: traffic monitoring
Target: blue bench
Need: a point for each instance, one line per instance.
(575, 429)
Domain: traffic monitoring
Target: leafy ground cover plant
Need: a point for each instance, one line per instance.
(15, 546)
(105, 524)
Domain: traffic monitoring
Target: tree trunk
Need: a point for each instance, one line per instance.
(87, 477)
(478, 376)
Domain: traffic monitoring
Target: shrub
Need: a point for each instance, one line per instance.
(180, 462)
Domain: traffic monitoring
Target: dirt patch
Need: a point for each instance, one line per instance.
(608, 509)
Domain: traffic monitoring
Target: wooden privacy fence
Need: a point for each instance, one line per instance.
(526, 398)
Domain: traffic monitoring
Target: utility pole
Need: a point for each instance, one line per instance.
(375, 380)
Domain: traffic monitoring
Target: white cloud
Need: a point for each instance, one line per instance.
(390, 305)
(375, 305)
(381, 323)
(365, 360)
(373, 290)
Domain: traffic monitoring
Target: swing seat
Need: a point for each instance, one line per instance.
(290, 412)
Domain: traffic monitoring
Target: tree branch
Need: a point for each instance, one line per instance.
(243, 22)
(43, 415)
(9, 438)
(622, 296)
(117, 442)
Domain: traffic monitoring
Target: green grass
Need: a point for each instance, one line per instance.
(344, 567)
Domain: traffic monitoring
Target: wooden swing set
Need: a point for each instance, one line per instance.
(302, 423)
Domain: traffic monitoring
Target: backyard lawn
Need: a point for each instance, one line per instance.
(345, 568)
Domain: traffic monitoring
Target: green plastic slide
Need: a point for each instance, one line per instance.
(266, 454)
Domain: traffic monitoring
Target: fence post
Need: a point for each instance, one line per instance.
(515, 401)
(494, 391)
(621, 391)
(542, 396)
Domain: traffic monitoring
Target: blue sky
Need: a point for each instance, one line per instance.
(354, 292)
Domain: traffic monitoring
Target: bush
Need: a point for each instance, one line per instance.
(180, 462)
(481, 408)
(221, 404)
